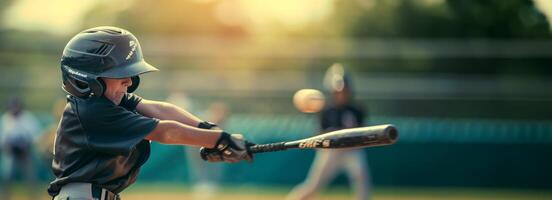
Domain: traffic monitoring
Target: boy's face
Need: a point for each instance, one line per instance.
(116, 88)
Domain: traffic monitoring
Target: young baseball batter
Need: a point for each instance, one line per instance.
(104, 135)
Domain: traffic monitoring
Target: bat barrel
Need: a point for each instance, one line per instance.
(370, 136)
(379, 135)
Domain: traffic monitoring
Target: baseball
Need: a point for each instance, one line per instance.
(308, 100)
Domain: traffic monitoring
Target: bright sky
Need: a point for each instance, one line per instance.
(55, 16)
(63, 16)
(287, 12)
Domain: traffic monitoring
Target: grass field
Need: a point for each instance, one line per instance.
(180, 192)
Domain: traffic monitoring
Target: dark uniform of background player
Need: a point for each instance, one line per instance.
(341, 113)
(104, 134)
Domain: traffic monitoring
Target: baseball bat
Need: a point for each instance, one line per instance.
(369, 136)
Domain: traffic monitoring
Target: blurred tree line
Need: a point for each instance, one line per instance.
(513, 20)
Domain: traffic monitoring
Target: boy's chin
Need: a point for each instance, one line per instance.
(120, 98)
(117, 98)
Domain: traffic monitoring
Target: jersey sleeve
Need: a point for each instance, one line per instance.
(115, 130)
(130, 101)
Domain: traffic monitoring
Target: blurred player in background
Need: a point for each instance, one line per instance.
(339, 114)
(19, 128)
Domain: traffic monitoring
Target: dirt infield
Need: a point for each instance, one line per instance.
(179, 192)
(144, 192)
(419, 195)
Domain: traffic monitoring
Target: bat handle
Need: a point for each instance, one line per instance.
(260, 148)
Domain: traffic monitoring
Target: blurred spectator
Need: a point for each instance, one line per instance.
(341, 113)
(19, 128)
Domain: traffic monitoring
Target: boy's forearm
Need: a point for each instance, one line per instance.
(167, 111)
(178, 114)
(172, 132)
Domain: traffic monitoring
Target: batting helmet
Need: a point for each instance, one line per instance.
(337, 79)
(104, 51)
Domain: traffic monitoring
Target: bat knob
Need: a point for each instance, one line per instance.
(203, 153)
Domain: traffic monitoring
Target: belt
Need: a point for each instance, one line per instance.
(85, 191)
(103, 194)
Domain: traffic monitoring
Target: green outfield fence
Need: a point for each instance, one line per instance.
(429, 152)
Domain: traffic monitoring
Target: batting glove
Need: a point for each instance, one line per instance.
(230, 148)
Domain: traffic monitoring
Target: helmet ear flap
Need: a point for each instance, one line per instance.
(135, 83)
(74, 88)
(98, 87)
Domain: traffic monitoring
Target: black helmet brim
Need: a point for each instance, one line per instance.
(128, 71)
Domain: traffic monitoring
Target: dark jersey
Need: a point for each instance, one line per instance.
(340, 117)
(101, 143)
